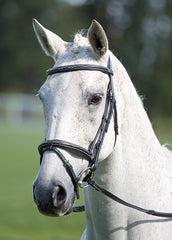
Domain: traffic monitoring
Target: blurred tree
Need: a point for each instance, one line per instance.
(23, 64)
(139, 32)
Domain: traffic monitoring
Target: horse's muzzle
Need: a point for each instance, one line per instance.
(53, 201)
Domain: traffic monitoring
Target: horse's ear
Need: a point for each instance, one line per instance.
(49, 41)
(97, 38)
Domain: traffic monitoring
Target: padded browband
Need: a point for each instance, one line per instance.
(79, 67)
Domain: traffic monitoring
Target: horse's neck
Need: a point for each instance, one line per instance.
(131, 171)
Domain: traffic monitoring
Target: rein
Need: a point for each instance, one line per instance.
(92, 153)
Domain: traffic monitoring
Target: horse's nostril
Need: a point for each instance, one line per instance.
(59, 196)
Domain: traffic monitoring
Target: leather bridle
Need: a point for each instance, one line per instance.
(92, 153)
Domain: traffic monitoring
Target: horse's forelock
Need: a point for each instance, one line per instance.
(80, 40)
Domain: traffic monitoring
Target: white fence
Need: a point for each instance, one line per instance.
(20, 109)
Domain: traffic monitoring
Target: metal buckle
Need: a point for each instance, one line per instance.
(82, 175)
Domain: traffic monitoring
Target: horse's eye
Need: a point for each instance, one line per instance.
(95, 99)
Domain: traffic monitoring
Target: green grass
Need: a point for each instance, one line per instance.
(19, 164)
(19, 217)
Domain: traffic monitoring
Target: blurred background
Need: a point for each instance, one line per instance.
(140, 35)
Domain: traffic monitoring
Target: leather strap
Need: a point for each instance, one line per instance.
(67, 165)
(79, 67)
(66, 146)
(97, 187)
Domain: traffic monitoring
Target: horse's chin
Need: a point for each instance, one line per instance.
(55, 212)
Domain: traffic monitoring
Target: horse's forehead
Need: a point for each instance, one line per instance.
(74, 82)
(54, 85)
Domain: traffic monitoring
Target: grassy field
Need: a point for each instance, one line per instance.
(19, 218)
(19, 164)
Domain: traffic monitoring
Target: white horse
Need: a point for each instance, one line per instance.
(138, 169)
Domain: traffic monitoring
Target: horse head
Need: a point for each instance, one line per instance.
(74, 103)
